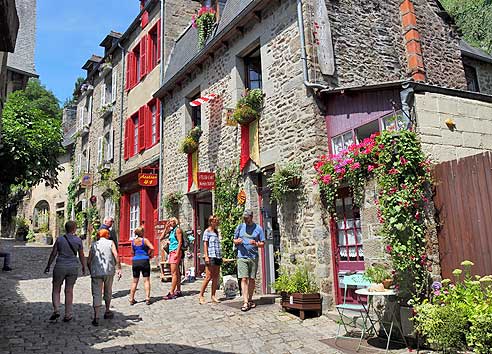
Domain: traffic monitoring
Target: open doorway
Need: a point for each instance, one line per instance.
(269, 222)
(203, 209)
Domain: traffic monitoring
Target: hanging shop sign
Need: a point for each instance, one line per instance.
(206, 180)
(241, 197)
(147, 179)
(86, 180)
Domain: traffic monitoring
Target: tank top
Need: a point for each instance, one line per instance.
(173, 240)
(140, 252)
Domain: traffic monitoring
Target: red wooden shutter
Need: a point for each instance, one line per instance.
(145, 19)
(147, 213)
(127, 140)
(124, 218)
(148, 125)
(128, 71)
(141, 129)
(158, 120)
(131, 137)
(143, 57)
(158, 40)
(148, 43)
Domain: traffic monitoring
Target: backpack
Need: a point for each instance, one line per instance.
(186, 242)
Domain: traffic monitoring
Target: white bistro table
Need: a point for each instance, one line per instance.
(390, 303)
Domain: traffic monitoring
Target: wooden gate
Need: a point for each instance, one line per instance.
(464, 203)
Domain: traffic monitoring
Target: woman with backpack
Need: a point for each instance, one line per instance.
(213, 258)
(142, 251)
(65, 250)
(175, 255)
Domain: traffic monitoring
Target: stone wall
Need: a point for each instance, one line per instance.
(473, 118)
(291, 128)
(369, 45)
(484, 73)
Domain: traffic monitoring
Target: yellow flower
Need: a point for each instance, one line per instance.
(446, 282)
(457, 272)
(467, 264)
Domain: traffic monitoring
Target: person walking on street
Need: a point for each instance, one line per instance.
(103, 257)
(6, 261)
(66, 269)
(108, 225)
(142, 251)
(248, 237)
(213, 258)
(175, 255)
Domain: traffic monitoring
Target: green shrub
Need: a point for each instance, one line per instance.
(285, 180)
(30, 236)
(300, 281)
(22, 228)
(479, 336)
(377, 273)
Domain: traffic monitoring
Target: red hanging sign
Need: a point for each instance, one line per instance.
(206, 180)
(147, 179)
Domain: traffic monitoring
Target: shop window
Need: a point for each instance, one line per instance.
(395, 121)
(252, 65)
(134, 212)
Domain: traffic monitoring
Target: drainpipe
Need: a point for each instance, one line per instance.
(305, 70)
(123, 53)
(161, 115)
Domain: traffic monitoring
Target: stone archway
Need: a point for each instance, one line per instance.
(41, 216)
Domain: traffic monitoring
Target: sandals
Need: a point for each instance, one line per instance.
(251, 305)
(95, 322)
(54, 316)
(108, 315)
(132, 302)
(202, 300)
(67, 319)
(147, 302)
(245, 307)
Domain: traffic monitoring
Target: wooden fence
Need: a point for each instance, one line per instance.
(464, 202)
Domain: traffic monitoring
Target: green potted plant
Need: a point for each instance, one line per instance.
(285, 180)
(379, 274)
(298, 290)
(204, 22)
(249, 107)
(190, 143)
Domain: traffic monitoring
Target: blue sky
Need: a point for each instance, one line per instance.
(69, 31)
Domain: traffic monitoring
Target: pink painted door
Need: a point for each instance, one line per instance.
(347, 242)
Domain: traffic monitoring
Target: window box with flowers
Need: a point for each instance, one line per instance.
(204, 22)
(105, 68)
(403, 174)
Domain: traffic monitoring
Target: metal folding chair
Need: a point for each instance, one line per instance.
(350, 313)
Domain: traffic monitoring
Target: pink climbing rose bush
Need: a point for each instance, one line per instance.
(403, 174)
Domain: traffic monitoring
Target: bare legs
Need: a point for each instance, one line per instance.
(176, 278)
(147, 288)
(248, 289)
(133, 289)
(55, 297)
(211, 273)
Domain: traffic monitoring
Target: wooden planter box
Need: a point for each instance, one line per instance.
(303, 303)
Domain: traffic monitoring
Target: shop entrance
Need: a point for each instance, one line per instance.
(202, 209)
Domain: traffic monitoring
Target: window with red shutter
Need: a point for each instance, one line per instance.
(141, 129)
(148, 124)
(124, 217)
(158, 122)
(150, 54)
(126, 153)
(143, 57)
(134, 134)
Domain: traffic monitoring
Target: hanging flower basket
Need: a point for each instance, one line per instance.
(189, 145)
(249, 107)
(294, 182)
(204, 22)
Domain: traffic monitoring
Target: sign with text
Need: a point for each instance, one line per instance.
(206, 180)
(147, 179)
(161, 225)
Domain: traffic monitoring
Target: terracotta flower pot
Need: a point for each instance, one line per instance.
(387, 283)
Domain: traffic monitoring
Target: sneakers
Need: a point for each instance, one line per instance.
(6, 269)
(169, 296)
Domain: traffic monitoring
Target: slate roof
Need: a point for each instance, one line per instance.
(473, 52)
(186, 47)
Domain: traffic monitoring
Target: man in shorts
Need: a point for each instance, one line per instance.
(248, 237)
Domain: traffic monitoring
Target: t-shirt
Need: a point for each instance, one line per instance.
(102, 262)
(213, 244)
(248, 233)
(66, 257)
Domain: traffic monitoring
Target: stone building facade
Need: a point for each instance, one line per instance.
(404, 41)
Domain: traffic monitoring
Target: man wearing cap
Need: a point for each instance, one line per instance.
(248, 237)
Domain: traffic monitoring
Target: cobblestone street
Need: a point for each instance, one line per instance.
(177, 326)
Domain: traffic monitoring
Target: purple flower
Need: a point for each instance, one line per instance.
(436, 286)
